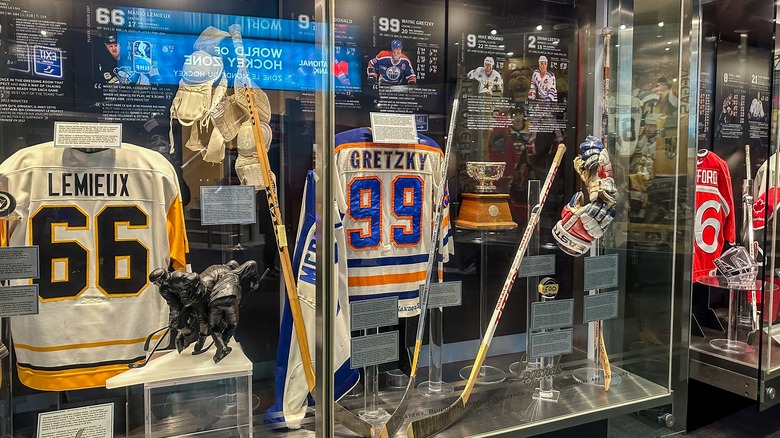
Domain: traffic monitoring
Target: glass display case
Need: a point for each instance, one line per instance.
(735, 304)
(451, 218)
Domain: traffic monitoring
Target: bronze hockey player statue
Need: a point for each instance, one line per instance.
(205, 304)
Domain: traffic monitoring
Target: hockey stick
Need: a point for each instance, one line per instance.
(146, 347)
(242, 80)
(747, 224)
(598, 326)
(435, 423)
(396, 420)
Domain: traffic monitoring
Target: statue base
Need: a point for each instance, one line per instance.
(485, 211)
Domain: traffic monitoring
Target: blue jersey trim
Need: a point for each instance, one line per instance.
(387, 261)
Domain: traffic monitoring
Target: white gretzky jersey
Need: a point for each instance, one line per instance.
(386, 194)
(101, 222)
(291, 390)
(487, 82)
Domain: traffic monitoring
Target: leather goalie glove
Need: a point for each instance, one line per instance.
(586, 217)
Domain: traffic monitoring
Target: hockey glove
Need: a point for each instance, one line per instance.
(582, 223)
(595, 170)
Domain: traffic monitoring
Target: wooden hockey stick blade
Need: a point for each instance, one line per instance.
(437, 422)
(342, 415)
(607, 369)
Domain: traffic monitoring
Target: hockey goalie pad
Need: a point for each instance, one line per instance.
(247, 164)
(193, 99)
(261, 102)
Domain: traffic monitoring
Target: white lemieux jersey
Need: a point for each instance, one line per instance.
(101, 221)
(386, 193)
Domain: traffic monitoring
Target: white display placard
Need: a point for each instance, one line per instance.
(18, 300)
(227, 205)
(19, 262)
(87, 135)
(394, 128)
(87, 422)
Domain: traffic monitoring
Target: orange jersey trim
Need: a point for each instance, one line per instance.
(63, 380)
(377, 280)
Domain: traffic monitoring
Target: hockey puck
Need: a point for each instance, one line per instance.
(7, 204)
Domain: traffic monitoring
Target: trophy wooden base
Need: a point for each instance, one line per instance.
(485, 211)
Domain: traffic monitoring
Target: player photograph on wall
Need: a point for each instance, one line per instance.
(543, 83)
(401, 70)
(488, 79)
(391, 67)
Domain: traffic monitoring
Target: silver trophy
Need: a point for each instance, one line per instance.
(485, 172)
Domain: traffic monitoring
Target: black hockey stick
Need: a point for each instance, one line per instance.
(396, 420)
(435, 423)
(148, 342)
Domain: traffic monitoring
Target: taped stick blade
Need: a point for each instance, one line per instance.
(428, 426)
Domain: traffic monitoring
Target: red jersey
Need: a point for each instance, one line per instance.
(713, 221)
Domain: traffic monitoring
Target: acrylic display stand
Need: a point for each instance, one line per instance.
(435, 386)
(594, 375)
(730, 344)
(534, 193)
(167, 378)
(371, 412)
(488, 375)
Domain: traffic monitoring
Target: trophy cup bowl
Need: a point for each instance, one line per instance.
(485, 172)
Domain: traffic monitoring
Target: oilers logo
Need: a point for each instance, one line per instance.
(393, 74)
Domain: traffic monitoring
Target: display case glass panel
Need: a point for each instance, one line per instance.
(519, 83)
(453, 218)
(733, 296)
